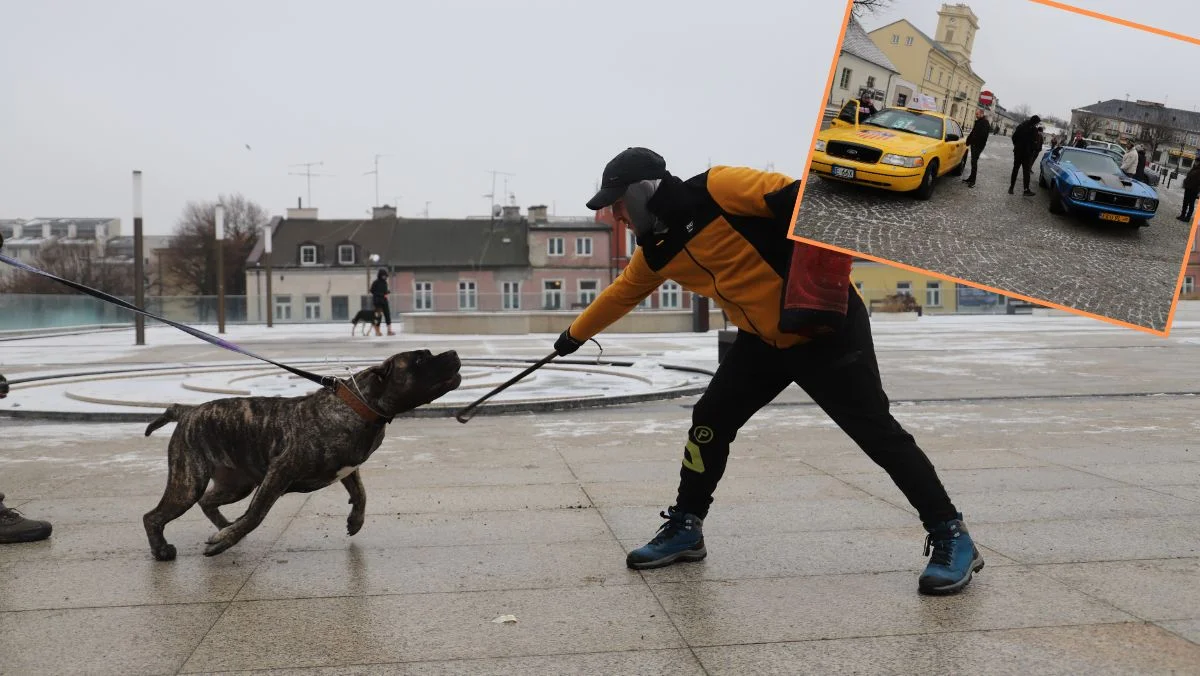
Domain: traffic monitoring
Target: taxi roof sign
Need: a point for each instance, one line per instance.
(923, 102)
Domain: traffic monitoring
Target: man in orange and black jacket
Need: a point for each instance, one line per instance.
(723, 234)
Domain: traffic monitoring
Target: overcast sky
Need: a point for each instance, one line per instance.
(547, 90)
(1055, 60)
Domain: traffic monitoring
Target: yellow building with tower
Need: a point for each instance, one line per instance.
(941, 65)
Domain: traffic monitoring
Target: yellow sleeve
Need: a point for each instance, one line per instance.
(743, 191)
(631, 287)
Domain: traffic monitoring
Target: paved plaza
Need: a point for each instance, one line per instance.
(1010, 242)
(1070, 445)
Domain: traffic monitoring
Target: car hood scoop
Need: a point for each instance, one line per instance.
(1111, 180)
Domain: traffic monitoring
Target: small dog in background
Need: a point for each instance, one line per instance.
(368, 318)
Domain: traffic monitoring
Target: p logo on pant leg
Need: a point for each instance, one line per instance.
(692, 458)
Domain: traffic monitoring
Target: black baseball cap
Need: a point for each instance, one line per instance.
(628, 167)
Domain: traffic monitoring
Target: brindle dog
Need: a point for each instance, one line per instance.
(286, 445)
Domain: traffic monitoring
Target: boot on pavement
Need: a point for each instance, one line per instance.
(955, 557)
(16, 528)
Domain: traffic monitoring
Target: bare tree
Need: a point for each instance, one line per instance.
(1089, 124)
(191, 259)
(869, 6)
(1153, 135)
(1021, 113)
(78, 263)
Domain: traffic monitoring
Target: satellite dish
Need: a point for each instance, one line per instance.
(496, 211)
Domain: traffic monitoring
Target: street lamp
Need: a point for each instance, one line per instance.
(267, 249)
(220, 268)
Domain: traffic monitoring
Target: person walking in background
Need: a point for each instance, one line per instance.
(1191, 190)
(379, 297)
(1025, 140)
(15, 528)
(976, 140)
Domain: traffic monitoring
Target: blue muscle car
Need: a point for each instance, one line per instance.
(1090, 182)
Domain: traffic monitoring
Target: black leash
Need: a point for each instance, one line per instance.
(468, 412)
(328, 382)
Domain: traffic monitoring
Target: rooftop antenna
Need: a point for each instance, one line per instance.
(307, 173)
(376, 172)
(492, 195)
(426, 209)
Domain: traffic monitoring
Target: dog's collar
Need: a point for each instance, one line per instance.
(360, 407)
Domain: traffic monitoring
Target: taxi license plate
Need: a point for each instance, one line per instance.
(1114, 217)
(843, 172)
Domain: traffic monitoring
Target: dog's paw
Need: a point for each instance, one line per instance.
(165, 553)
(217, 547)
(354, 524)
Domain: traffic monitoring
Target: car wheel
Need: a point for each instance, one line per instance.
(962, 166)
(1056, 203)
(926, 190)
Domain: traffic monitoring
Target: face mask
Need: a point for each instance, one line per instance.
(637, 197)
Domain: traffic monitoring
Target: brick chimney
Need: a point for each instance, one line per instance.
(510, 214)
(538, 214)
(384, 211)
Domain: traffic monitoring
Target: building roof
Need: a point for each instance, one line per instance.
(858, 43)
(1140, 111)
(403, 242)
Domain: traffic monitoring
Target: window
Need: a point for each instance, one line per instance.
(467, 297)
(669, 295)
(630, 243)
(283, 307)
(933, 294)
(870, 81)
(646, 303)
(312, 307)
(901, 99)
(510, 295)
(554, 246)
(339, 307)
(345, 254)
(422, 295)
(308, 255)
(896, 39)
(949, 35)
(844, 83)
(587, 291)
(908, 41)
(904, 287)
(583, 246)
(552, 294)
(929, 75)
(1189, 284)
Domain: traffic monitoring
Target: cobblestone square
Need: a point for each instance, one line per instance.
(1012, 243)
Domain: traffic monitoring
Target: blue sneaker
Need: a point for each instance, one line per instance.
(955, 558)
(679, 539)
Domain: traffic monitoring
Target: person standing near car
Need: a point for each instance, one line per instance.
(1079, 142)
(976, 140)
(1191, 190)
(1024, 139)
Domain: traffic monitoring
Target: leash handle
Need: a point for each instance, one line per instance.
(468, 412)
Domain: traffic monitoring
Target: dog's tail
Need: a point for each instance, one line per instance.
(169, 416)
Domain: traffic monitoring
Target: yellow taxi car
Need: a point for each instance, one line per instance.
(897, 149)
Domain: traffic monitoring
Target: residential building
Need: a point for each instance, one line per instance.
(322, 270)
(940, 65)
(862, 70)
(1171, 134)
(24, 238)
(569, 261)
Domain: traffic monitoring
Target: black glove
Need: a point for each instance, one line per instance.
(566, 344)
(3, 387)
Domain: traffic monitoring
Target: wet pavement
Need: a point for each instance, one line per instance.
(1008, 242)
(1069, 444)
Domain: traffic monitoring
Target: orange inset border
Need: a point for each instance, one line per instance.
(1166, 332)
